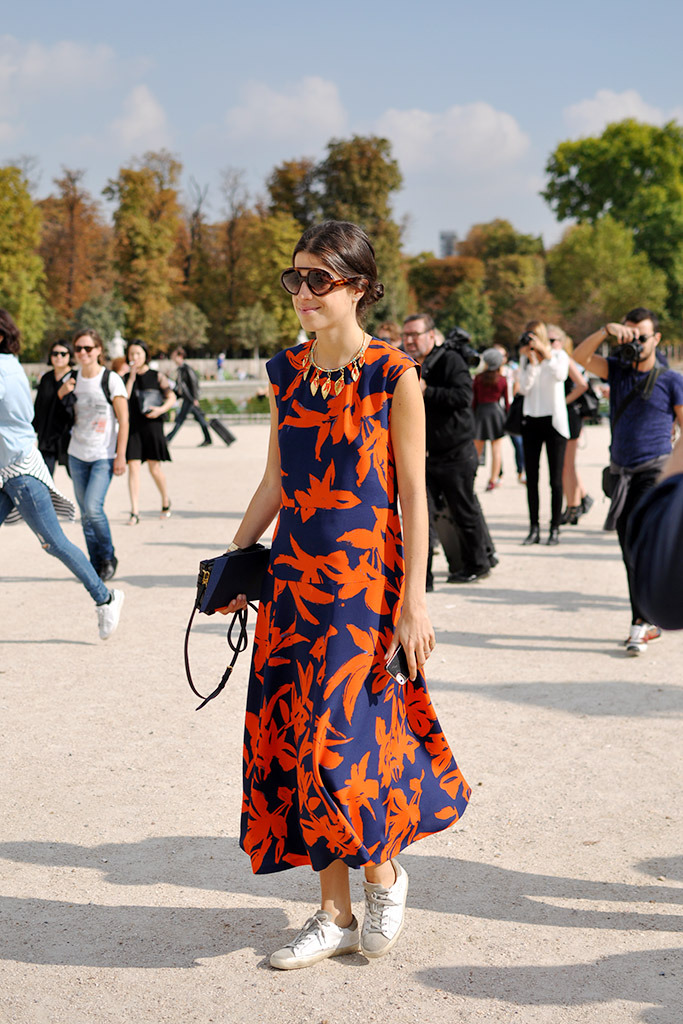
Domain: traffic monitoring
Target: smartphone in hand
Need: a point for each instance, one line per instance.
(398, 667)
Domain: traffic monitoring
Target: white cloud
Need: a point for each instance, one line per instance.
(470, 138)
(589, 117)
(143, 122)
(29, 70)
(304, 116)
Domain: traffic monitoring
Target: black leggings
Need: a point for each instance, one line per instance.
(535, 431)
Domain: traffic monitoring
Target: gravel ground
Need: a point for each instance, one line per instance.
(125, 897)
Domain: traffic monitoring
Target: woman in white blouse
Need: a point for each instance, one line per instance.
(542, 373)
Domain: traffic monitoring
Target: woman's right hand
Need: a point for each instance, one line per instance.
(236, 605)
(66, 388)
(539, 348)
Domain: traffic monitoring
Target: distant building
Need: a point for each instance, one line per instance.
(447, 243)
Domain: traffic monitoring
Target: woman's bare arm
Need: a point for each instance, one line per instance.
(414, 630)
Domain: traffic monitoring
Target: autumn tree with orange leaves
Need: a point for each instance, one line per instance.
(76, 247)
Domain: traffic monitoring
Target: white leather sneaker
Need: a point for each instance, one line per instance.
(384, 914)
(108, 615)
(319, 938)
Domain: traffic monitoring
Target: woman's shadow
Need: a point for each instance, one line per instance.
(135, 935)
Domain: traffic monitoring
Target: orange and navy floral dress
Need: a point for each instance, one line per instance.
(340, 760)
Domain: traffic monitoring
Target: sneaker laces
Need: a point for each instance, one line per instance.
(313, 929)
(377, 902)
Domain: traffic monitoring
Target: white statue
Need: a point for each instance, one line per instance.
(117, 346)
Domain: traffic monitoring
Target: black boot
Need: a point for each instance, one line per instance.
(554, 535)
(534, 536)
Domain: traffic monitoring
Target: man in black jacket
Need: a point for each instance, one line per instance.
(187, 388)
(451, 456)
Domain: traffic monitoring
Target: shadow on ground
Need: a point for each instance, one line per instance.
(611, 698)
(648, 976)
(61, 932)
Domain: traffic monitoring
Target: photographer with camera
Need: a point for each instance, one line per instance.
(452, 460)
(645, 400)
(542, 373)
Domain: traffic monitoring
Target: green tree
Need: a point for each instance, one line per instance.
(467, 306)
(434, 280)
(256, 329)
(634, 172)
(517, 293)
(357, 180)
(596, 275)
(21, 268)
(498, 238)
(147, 225)
(292, 190)
(184, 324)
(270, 241)
(106, 313)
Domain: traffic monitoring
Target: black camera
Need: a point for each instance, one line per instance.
(630, 351)
(525, 339)
(459, 340)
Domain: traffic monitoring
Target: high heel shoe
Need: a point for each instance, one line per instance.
(534, 536)
(553, 536)
(166, 510)
(133, 519)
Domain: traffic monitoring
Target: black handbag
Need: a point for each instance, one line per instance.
(515, 417)
(587, 404)
(609, 482)
(219, 581)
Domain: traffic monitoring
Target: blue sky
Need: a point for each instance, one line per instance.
(473, 96)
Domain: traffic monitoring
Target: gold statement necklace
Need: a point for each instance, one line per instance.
(325, 379)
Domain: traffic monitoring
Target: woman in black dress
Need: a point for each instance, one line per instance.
(51, 422)
(149, 399)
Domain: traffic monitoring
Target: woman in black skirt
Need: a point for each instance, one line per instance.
(51, 421)
(149, 399)
(490, 403)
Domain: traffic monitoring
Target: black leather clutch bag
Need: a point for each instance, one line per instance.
(219, 581)
(236, 572)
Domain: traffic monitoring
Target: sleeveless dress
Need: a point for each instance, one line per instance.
(340, 760)
(146, 436)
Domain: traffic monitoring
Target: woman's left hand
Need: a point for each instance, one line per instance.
(154, 413)
(415, 634)
(119, 465)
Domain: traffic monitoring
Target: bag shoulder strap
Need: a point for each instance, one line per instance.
(105, 385)
(644, 387)
(104, 382)
(237, 648)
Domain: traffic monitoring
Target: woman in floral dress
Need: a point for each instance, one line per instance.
(343, 765)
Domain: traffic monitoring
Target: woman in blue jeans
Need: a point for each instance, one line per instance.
(26, 487)
(98, 444)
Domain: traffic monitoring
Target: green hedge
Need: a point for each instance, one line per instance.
(216, 406)
(258, 403)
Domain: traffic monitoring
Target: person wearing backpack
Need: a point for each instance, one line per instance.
(97, 449)
(645, 401)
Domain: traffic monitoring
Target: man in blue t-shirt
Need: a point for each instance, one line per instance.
(645, 401)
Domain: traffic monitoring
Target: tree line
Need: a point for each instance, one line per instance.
(162, 269)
